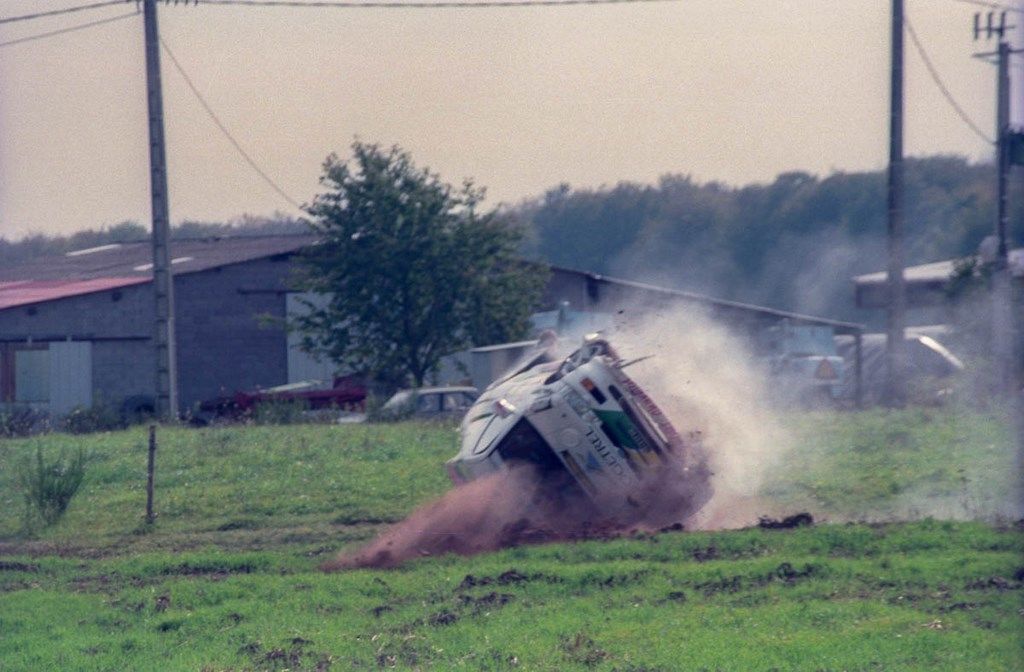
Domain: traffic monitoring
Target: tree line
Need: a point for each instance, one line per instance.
(793, 243)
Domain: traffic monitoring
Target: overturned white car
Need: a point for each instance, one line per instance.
(584, 426)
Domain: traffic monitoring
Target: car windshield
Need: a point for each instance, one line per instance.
(398, 400)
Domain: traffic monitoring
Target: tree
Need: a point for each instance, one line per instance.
(410, 268)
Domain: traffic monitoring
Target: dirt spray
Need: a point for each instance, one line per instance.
(701, 377)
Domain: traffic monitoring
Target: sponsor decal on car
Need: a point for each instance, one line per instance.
(606, 453)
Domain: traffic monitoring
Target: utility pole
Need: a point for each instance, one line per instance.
(163, 282)
(895, 395)
(1009, 152)
(1002, 308)
(1004, 363)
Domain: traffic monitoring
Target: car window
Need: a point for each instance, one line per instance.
(428, 403)
(456, 401)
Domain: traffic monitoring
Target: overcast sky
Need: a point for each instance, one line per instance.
(518, 99)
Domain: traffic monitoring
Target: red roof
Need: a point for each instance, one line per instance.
(115, 265)
(24, 292)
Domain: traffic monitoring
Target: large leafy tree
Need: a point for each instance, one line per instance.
(411, 268)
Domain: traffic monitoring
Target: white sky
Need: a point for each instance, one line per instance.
(518, 99)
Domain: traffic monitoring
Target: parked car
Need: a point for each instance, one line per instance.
(931, 368)
(346, 394)
(429, 403)
(803, 362)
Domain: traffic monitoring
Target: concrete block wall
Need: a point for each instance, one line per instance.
(118, 324)
(122, 369)
(114, 313)
(223, 343)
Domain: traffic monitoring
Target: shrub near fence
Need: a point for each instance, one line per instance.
(48, 487)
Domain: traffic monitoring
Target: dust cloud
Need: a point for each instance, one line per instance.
(705, 379)
(517, 507)
(701, 378)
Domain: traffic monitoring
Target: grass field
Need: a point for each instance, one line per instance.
(227, 578)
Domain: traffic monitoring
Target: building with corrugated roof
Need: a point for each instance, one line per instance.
(77, 329)
(926, 284)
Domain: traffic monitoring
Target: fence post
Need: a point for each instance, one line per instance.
(150, 517)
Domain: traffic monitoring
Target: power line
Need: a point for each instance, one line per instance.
(992, 5)
(70, 29)
(58, 12)
(942, 87)
(443, 4)
(224, 130)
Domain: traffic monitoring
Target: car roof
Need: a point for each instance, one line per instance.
(423, 390)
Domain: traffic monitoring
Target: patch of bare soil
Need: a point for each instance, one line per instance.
(17, 567)
(515, 507)
(789, 522)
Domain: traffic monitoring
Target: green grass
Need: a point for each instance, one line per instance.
(898, 464)
(921, 596)
(238, 486)
(227, 577)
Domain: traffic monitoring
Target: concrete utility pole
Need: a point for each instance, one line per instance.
(895, 394)
(163, 282)
(1004, 362)
(1002, 308)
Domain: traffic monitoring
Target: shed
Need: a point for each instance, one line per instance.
(77, 329)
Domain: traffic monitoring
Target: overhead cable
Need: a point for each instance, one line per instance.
(69, 29)
(58, 12)
(942, 87)
(992, 5)
(224, 130)
(418, 4)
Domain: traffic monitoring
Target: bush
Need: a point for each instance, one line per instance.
(48, 487)
(96, 418)
(23, 421)
(279, 412)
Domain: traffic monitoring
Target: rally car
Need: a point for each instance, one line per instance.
(582, 424)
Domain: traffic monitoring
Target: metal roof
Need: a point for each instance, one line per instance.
(123, 264)
(26, 292)
(135, 259)
(719, 304)
(937, 271)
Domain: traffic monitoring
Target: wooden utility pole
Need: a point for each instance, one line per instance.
(150, 469)
(895, 394)
(163, 282)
